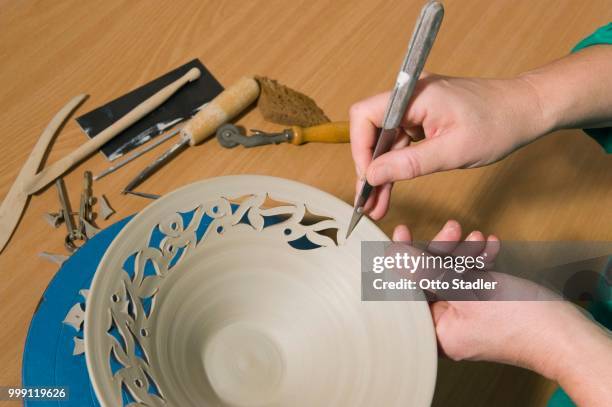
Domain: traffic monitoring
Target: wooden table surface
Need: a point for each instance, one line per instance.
(338, 52)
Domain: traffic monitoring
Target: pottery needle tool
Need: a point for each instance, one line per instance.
(227, 105)
(143, 194)
(143, 137)
(422, 40)
(147, 135)
(135, 155)
(180, 107)
(29, 181)
(230, 136)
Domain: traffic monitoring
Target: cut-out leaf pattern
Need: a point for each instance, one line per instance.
(79, 346)
(149, 286)
(75, 317)
(164, 248)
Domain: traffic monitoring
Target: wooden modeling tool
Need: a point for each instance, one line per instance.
(421, 42)
(183, 104)
(29, 182)
(227, 105)
(230, 136)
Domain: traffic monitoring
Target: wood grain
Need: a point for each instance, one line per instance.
(52, 171)
(334, 51)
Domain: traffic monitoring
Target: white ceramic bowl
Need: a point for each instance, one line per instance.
(261, 309)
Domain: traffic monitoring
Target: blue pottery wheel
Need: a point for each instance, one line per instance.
(47, 358)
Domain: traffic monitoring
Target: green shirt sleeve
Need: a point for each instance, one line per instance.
(603, 35)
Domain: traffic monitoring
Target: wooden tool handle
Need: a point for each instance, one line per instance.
(337, 132)
(58, 168)
(227, 105)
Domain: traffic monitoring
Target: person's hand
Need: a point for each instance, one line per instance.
(463, 123)
(551, 337)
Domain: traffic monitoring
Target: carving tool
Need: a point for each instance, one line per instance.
(422, 40)
(58, 168)
(29, 182)
(86, 214)
(72, 233)
(143, 137)
(84, 229)
(143, 194)
(230, 136)
(135, 155)
(228, 104)
(180, 106)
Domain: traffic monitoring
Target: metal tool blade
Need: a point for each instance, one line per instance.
(422, 40)
(135, 155)
(357, 215)
(386, 138)
(143, 137)
(157, 164)
(143, 194)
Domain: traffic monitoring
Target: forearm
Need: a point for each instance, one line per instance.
(575, 91)
(585, 365)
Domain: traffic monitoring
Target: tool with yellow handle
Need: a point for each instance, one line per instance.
(230, 136)
(227, 105)
(336, 132)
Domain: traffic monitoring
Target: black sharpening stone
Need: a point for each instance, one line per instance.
(183, 104)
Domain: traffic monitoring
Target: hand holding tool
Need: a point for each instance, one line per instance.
(421, 42)
(228, 104)
(230, 136)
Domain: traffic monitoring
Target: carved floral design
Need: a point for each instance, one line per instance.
(127, 321)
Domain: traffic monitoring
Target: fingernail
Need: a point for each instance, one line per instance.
(360, 173)
(450, 224)
(472, 236)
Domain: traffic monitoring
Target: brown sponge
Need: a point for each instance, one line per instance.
(282, 105)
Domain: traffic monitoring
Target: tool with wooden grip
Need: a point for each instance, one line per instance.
(227, 105)
(58, 168)
(230, 136)
(29, 181)
(422, 40)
